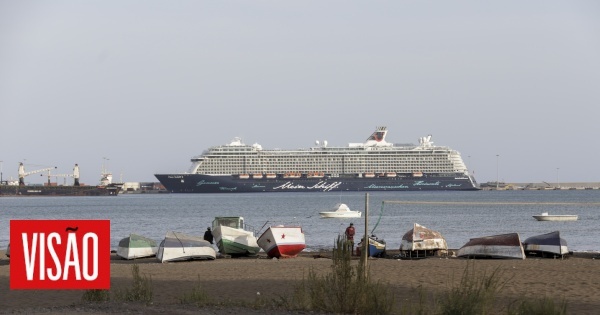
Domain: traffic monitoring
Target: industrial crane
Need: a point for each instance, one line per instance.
(22, 173)
(75, 175)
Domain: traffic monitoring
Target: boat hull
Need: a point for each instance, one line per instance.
(550, 243)
(354, 214)
(376, 248)
(282, 241)
(181, 247)
(420, 238)
(136, 246)
(198, 183)
(556, 217)
(497, 246)
(238, 242)
(109, 190)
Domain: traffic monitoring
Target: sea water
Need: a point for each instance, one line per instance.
(458, 216)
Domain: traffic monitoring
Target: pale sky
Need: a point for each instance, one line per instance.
(142, 86)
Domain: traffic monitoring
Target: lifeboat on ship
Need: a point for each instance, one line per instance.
(270, 175)
(369, 175)
(257, 175)
(244, 176)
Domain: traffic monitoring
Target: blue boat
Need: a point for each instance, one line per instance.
(376, 247)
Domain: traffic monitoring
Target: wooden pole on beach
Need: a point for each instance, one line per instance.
(365, 250)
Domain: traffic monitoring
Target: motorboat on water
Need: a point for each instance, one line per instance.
(340, 210)
(233, 237)
(556, 217)
(282, 241)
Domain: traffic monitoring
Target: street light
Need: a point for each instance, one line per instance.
(557, 182)
(497, 170)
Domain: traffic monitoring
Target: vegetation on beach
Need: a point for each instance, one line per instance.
(140, 291)
(477, 294)
(348, 288)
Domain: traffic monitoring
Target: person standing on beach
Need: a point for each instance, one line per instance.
(350, 231)
(208, 236)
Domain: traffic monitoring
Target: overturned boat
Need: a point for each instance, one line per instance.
(495, 246)
(136, 246)
(282, 241)
(546, 245)
(421, 242)
(180, 247)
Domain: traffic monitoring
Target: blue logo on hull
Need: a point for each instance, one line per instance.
(203, 182)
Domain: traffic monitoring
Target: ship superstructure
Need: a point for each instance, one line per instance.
(379, 164)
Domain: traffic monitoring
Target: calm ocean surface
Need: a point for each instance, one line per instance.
(491, 213)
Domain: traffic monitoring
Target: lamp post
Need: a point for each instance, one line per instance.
(497, 170)
(1, 172)
(557, 182)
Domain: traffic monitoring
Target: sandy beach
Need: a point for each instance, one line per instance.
(575, 279)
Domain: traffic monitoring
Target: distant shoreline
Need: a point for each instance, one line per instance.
(540, 186)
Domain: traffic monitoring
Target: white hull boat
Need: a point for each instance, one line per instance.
(232, 238)
(556, 217)
(136, 246)
(180, 247)
(282, 241)
(340, 210)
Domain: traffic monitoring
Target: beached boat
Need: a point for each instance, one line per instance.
(546, 245)
(282, 241)
(556, 217)
(340, 210)
(376, 247)
(233, 237)
(180, 247)
(495, 246)
(421, 241)
(136, 246)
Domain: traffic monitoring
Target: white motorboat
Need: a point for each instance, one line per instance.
(556, 217)
(340, 210)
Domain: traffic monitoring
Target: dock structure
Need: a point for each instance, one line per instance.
(540, 186)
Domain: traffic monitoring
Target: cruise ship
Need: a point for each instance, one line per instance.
(373, 165)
